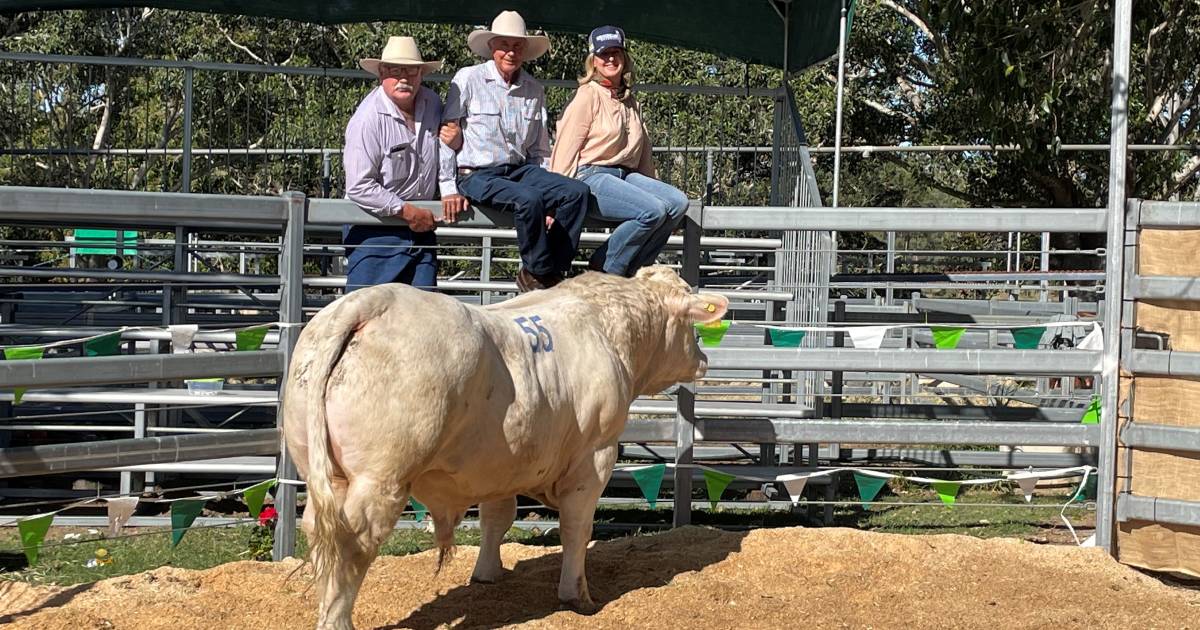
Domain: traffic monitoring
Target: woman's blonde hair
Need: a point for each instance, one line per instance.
(589, 72)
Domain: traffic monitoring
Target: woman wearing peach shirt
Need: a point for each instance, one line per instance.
(603, 142)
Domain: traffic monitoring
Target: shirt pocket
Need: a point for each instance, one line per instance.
(398, 165)
(530, 121)
(483, 123)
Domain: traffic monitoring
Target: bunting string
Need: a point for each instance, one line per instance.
(185, 510)
(173, 332)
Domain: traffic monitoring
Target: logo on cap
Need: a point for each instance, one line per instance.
(607, 37)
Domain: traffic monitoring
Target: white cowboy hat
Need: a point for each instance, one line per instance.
(508, 24)
(399, 51)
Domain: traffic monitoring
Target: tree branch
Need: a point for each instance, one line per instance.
(887, 111)
(921, 25)
(240, 47)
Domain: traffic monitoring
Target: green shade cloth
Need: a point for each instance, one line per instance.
(712, 334)
(1027, 338)
(1091, 415)
(33, 532)
(183, 514)
(946, 337)
(419, 508)
(20, 354)
(868, 488)
(749, 31)
(716, 482)
(649, 480)
(786, 338)
(254, 496)
(251, 338)
(106, 345)
(947, 491)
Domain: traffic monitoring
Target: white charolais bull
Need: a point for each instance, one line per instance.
(395, 392)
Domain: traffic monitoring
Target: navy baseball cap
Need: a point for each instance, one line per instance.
(604, 37)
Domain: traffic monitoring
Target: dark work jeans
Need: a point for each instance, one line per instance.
(531, 193)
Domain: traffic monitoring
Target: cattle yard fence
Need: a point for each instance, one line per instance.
(791, 423)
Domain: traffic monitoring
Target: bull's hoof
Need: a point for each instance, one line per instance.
(475, 579)
(581, 606)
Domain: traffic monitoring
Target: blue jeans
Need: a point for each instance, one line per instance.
(648, 211)
(378, 255)
(530, 193)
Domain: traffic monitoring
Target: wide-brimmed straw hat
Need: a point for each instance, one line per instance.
(399, 51)
(508, 24)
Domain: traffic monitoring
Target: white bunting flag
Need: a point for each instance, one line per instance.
(1027, 485)
(1094, 340)
(181, 337)
(868, 336)
(794, 484)
(120, 509)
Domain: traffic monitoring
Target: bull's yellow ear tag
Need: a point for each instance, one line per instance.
(710, 307)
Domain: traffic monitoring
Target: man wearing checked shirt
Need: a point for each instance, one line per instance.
(501, 112)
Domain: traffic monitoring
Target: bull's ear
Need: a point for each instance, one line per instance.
(704, 307)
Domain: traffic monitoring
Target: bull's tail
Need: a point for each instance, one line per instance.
(330, 524)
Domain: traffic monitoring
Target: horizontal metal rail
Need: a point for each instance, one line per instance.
(906, 219)
(66, 206)
(1133, 507)
(1164, 288)
(1023, 362)
(138, 368)
(64, 458)
(141, 276)
(346, 73)
(1169, 214)
(880, 431)
(1164, 363)
(1161, 437)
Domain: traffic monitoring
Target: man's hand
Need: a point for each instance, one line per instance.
(419, 219)
(451, 134)
(451, 206)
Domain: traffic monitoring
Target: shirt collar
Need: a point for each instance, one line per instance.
(493, 74)
(384, 105)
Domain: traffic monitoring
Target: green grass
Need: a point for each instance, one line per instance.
(205, 547)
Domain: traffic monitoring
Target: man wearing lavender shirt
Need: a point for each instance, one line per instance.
(390, 159)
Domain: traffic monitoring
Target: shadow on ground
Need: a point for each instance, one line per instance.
(614, 568)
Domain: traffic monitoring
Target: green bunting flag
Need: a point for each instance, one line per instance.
(17, 354)
(419, 508)
(716, 482)
(786, 338)
(1091, 415)
(33, 532)
(649, 480)
(1027, 338)
(712, 334)
(103, 346)
(183, 514)
(1086, 491)
(868, 488)
(946, 337)
(850, 17)
(252, 338)
(947, 491)
(255, 494)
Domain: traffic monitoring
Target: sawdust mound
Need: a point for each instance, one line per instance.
(686, 578)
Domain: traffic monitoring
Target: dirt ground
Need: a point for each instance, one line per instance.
(687, 578)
